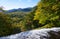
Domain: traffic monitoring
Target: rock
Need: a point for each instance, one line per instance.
(52, 33)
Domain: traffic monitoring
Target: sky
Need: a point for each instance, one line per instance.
(14, 4)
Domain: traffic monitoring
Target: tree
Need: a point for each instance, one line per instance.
(6, 27)
(1, 9)
(48, 12)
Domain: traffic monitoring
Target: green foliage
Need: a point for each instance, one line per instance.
(23, 20)
(6, 27)
(1, 9)
(45, 15)
(48, 11)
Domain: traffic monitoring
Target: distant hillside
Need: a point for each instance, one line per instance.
(20, 10)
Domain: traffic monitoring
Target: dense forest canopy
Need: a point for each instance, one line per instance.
(5, 25)
(48, 13)
(45, 14)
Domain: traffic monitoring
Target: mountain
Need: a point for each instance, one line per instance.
(52, 33)
(19, 10)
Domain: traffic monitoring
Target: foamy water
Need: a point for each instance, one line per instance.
(35, 34)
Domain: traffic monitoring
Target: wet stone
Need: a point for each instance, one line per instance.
(52, 33)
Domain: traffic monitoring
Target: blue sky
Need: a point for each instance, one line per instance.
(11, 4)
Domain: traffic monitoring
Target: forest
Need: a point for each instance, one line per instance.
(46, 14)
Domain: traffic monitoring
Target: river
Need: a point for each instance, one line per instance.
(49, 33)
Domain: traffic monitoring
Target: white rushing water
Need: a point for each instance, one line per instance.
(36, 34)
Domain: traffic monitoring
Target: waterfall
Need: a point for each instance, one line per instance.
(49, 33)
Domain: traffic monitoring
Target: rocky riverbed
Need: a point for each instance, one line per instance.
(50, 33)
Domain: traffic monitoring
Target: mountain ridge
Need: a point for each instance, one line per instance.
(19, 10)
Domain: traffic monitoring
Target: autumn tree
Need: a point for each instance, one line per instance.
(48, 13)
